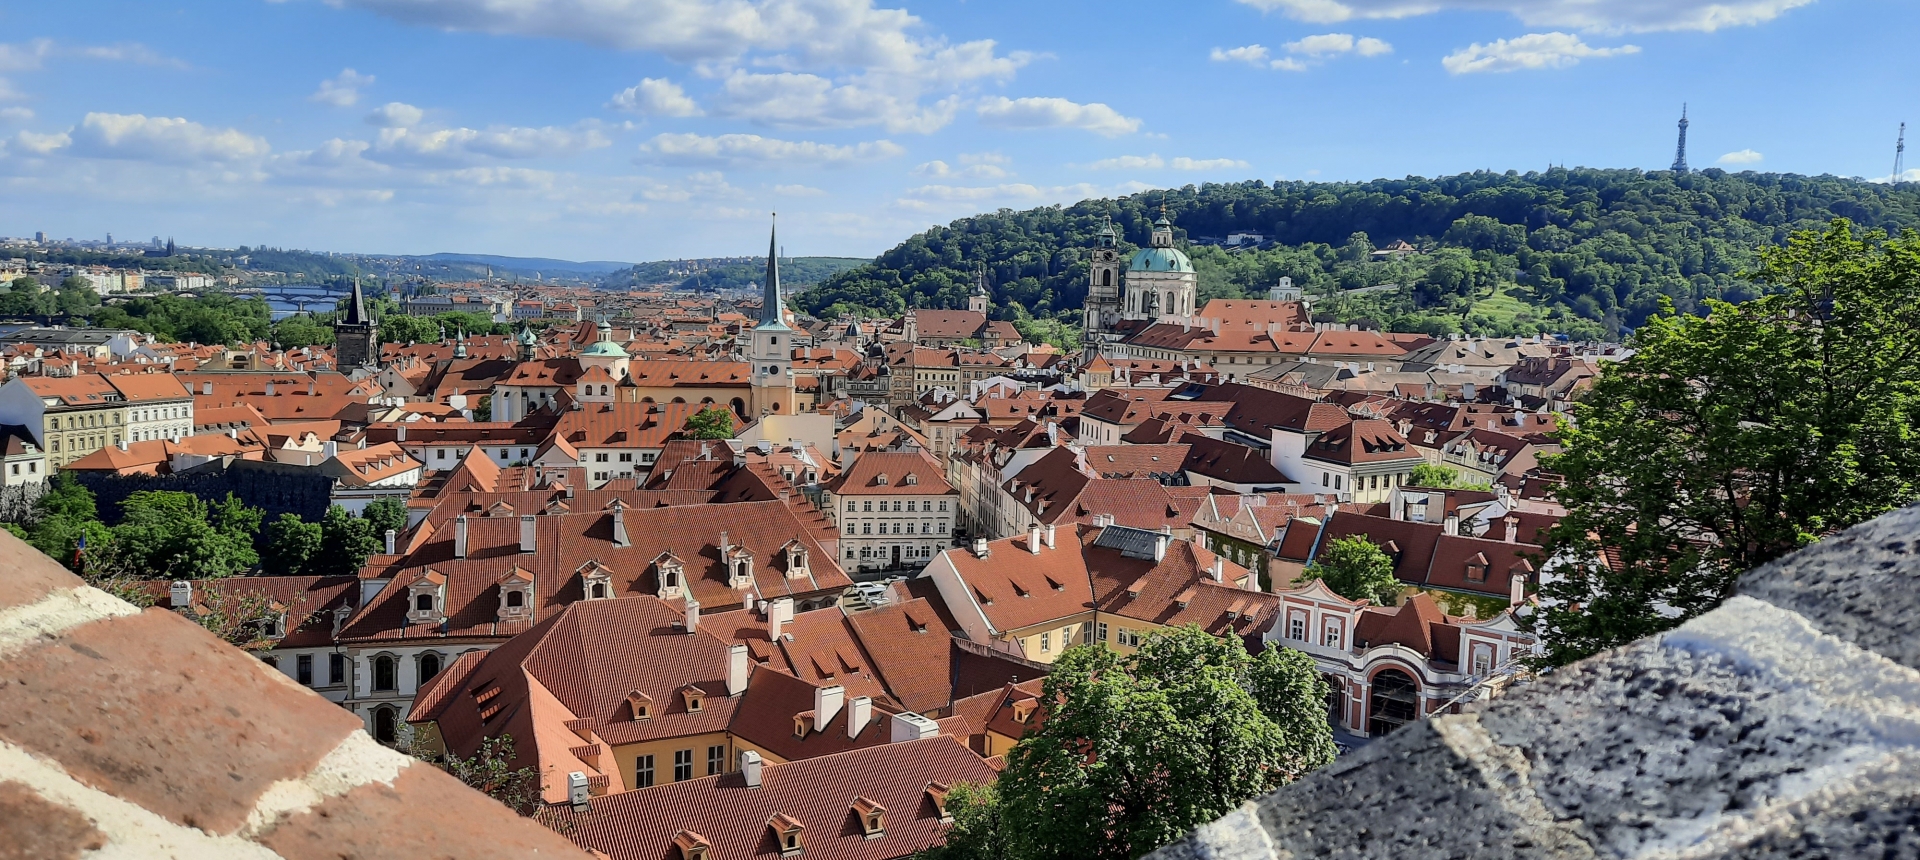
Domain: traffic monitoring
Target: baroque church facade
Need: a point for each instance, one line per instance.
(1158, 281)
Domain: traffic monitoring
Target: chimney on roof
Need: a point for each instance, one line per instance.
(1513, 529)
(269, 388)
(620, 528)
(460, 536)
(859, 713)
(750, 768)
(206, 389)
(1219, 571)
(1049, 536)
(180, 594)
(736, 669)
(577, 791)
(693, 615)
(980, 547)
(526, 534)
(1033, 538)
(909, 726)
(779, 612)
(826, 704)
(123, 445)
(1160, 542)
(1453, 522)
(329, 449)
(392, 538)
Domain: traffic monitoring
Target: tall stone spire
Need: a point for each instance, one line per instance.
(357, 309)
(770, 304)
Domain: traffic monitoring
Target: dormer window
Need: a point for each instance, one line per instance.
(516, 595)
(797, 560)
(913, 480)
(695, 698)
(881, 479)
(641, 705)
(692, 845)
(672, 574)
(873, 817)
(802, 724)
(1022, 710)
(787, 830)
(740, 568)
(596, 582)
(426, 599)
(937, 793)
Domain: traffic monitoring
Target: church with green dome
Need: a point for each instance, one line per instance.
(1158, 282)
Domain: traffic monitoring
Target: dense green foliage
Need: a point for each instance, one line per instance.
(1733, 439)
(214, 317)
(290, 541)
(25, 297)
(399, 328)
(1441, 478)
(490, 771)
(1584, 252)
(1355, 568)
(297, 266)
(1128, 753)
(121, 260)
(794, 272)
(712, 422)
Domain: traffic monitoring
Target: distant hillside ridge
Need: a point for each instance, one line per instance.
(525, 264)
(723, 273)
(1585, 252)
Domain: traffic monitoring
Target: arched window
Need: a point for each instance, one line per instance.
(739, 407)
(383, 673)
(1393, 702)
(680, 400)
(429, 666)
(423, 603)
(603, 390)
(386, 725)
(1106, 278)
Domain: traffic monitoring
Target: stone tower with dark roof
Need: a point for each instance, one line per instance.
(356, 338)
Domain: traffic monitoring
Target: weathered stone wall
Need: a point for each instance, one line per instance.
(276, 488)
(1784, 724)
(136, 733)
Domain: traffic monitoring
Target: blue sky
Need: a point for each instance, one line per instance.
(648, 129)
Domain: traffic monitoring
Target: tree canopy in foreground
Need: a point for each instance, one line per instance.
(1731, 439)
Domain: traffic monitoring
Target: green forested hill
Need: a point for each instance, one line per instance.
(1581, 251)
(734, 273)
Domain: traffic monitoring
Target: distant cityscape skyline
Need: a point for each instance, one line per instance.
(645, 130)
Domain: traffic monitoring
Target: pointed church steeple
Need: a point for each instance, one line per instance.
(770, 303)
(357, 309)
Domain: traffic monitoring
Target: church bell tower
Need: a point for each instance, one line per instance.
(771, 346)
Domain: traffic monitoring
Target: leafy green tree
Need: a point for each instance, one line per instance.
(1440, 478)
(384, 514)
(64, 521)
(173, 534)
(406, 329)
(1729, 440)
(977, 832)
(345, 543)
(712, 422)
(490, 771)
(1355, 568)
(245, 618)
(483, 411)
(290, 544)
(301, 331)
(1131, 752)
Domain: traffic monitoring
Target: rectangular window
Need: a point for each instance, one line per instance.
(1046, 641)
(909, 507)
(440, 454)
(303, 670)
(336, 668)
(716, 759)
(643, 772)
(682, 765)
(1333, 634)
(866, 528)
(1100, 631)
(866, 507)
(1336, 481)
(599, 458)
(849, 506)
(943, 507)
(1297, 628)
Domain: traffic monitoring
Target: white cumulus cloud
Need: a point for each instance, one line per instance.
(798, 191)
(797, 100)
(459, 145)
(1098, 118)
(973, 166)
(1594, 16)
(1532, 51)
(40, 144)
(752, 150)
(655, 97)
(1253, 55)
(1130, 162)
(396, 115)
(342, 90)
(161, 139)
(1745, 156)
(1184, 163)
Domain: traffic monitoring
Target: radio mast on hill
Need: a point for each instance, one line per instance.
(1680, 155)
(1900, 154)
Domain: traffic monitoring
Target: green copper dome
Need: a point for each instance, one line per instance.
(1159, 260)
(606, 347)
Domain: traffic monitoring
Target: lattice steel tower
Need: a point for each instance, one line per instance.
(1680, 155)
(1900, 154)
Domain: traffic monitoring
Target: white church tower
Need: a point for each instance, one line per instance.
(771, 349)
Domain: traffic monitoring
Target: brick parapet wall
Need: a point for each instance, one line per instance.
(1784, 724)
(138, 734)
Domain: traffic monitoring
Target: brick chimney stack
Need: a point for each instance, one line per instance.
(826, 704)
(737, 666)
